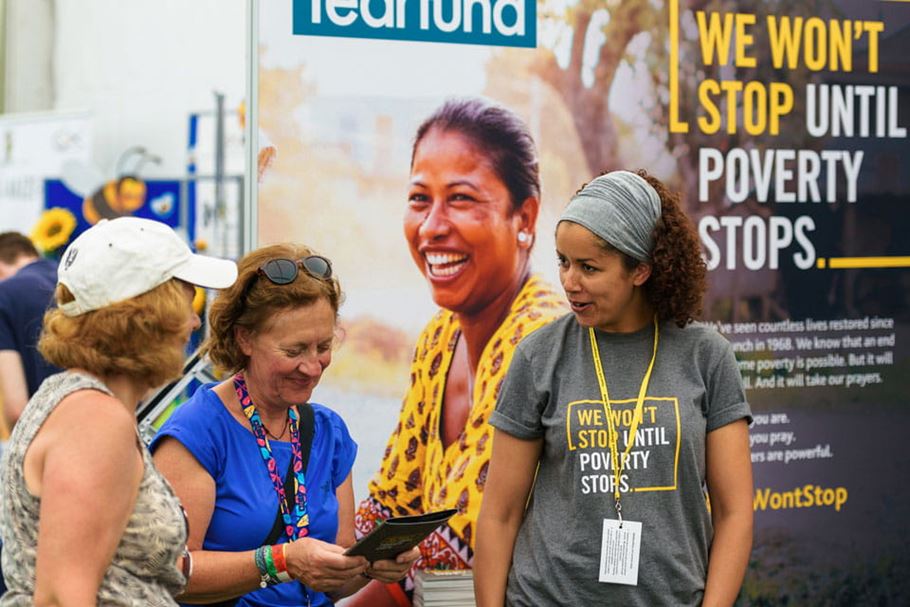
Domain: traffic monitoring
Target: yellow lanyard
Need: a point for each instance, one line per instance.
(612, 431)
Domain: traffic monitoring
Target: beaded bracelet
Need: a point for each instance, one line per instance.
(262, 557)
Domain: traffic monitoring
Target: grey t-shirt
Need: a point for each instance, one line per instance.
(551, 391)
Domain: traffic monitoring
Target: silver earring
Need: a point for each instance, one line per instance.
(523, 237)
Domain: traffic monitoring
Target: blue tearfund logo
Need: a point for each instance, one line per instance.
(486, 22)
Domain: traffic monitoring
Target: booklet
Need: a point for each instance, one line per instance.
(396, 535)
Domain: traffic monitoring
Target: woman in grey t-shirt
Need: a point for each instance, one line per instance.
(628, 416)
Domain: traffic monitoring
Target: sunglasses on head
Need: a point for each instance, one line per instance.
(284, 271)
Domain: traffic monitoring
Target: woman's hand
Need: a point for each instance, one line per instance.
(389, 571)
(321, 566)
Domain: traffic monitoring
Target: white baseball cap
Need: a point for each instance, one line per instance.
(121, 258)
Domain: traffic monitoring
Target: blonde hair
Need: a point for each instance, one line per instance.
(142, 338)
(252, 301)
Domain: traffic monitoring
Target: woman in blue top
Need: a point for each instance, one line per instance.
(235, 452)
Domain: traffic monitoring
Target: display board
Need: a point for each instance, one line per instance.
(782, 123)
(34, 147)
(161, 202)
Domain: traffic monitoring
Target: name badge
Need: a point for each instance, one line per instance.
(619, 552)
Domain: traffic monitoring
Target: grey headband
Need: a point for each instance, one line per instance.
(621, 208)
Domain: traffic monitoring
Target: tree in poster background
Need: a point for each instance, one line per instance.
(589, 103)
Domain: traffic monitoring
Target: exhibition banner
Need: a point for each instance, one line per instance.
(782, 123)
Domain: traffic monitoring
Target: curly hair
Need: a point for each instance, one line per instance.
(142, 338)
(251, 302)
(678, 272)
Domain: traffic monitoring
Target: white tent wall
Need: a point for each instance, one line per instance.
(140, 66)
(28, 41)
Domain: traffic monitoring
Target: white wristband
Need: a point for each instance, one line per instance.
(283, 576)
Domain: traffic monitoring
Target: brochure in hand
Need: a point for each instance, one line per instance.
(396, 535)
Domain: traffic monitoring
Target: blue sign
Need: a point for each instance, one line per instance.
(162, 202)
(485, 22)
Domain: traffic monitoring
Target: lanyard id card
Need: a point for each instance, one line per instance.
(619, 551)
(620, 546)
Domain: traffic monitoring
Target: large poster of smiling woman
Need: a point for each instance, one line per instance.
(427, 149)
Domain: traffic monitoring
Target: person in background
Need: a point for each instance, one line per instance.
(265, 475)
(470, 223)
(615, 420)
(85, 516)
(27, 284)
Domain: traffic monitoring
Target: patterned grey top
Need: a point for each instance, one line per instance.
(144, 571)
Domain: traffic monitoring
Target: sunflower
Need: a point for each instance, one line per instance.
(53, 229)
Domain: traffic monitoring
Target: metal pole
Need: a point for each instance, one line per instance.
(250, 227)
(220, 206)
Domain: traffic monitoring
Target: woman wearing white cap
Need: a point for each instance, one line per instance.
(86, 518)
(630, 416)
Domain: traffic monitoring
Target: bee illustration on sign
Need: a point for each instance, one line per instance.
(108, 198)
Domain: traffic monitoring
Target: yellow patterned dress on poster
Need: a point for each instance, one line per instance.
(418, 474)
